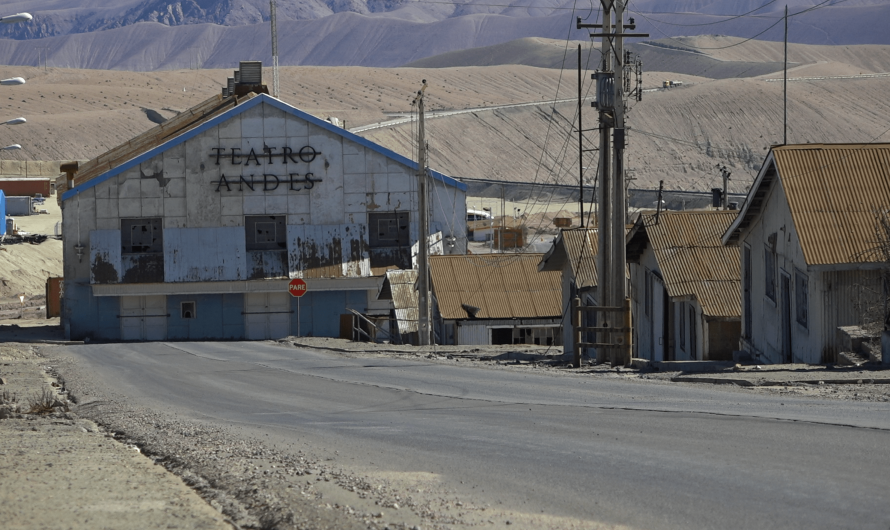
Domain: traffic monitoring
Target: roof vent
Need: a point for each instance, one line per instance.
(471, 310)
(237, 77)
(251, 72)
(230, 86)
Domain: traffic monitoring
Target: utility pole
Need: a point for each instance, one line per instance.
(274, 23)
(724, 199)
(423, 255)
(611, 84)
(785, 81)
(658, 200)
(580, 145)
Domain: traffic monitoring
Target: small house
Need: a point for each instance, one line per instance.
(495, 299)
(684, 286)
(810, 238)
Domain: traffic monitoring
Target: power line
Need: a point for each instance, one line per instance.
(730, 17)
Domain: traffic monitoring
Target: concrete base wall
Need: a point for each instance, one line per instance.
(217, 316)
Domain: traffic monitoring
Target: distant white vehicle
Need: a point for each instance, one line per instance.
(478, 215)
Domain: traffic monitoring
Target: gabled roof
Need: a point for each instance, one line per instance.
(579, 246)
(693, 259)
(498, 285)
(400, 287)
(198, 119)
(834, 192)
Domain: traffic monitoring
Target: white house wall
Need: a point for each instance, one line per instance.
(766, 333)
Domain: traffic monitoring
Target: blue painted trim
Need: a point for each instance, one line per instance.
(243, 107)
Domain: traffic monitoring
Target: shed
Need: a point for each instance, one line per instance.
(496, 299)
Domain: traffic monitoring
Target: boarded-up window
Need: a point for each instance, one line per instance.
(141, 236)
(801, 297)
(266, 243)
(142, 250)
(266, 232)
(769, 270)
(388, 229)
(389, 240)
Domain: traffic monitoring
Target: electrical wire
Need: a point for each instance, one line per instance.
(730, 17)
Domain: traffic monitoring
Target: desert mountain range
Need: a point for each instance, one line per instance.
(837, 94)
(144, 35)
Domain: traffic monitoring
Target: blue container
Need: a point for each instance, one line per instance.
(2, 212)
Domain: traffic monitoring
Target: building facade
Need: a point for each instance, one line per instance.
(810, 249)
(194, 229)
(684, 286)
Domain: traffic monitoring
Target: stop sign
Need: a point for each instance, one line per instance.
(297, 287)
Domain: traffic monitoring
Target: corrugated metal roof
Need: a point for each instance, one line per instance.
(400, 287)
(694, 261)
(579, 246)
(500, 285)
(834, 193)
(155, 136)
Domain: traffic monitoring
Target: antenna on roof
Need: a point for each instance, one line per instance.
(274, 24)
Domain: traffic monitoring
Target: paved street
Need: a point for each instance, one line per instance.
(636, 453)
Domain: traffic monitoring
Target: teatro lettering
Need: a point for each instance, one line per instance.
(269, 181)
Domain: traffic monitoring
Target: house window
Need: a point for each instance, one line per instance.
(388, 229)
(801, 297)
(769, 269)
(389, 240)
(188, 310)
(266, 232)
(142, 250)
(682, 326)
(266, 242)
(648, 296)
(142, 236)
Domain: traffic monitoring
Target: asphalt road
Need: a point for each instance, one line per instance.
(641, 454)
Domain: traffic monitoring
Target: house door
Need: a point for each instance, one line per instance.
(143, 317)
(267, 315)
(786, 319)
(659, 314)
(746, 287)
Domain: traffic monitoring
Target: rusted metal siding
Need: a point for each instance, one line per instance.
(693, 260)
(501, 285)
(26, 186)
(328, 251)
(834, 192)
(105, 256)
(204, 254)
(402, 285)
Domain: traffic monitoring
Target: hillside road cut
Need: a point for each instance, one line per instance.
(404, 443)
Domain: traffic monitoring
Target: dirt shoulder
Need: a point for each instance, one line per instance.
(62, 470)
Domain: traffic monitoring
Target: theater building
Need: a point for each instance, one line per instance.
(194, 229)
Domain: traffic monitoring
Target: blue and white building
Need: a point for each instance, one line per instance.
(194, 229)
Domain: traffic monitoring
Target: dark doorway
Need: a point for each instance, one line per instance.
(787, 356)
(502, 335)
(746, 287)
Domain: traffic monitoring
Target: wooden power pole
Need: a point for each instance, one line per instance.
(423, 255)
(611, 82)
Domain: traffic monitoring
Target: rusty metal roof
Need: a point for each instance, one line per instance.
(499, 285)
(400, 287)
(579, 246)
(157, 135)
(693, 259)
(834, 192)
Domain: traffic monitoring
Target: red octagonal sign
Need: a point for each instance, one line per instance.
(297, 287)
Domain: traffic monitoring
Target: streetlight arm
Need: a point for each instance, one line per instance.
(18, 17)
(13, 81)
(12, 147)
(16, 121)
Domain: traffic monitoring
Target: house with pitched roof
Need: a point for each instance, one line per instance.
(194, 229)
(809, 249)
(495, 299)
(684, 286)
(573, 255)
